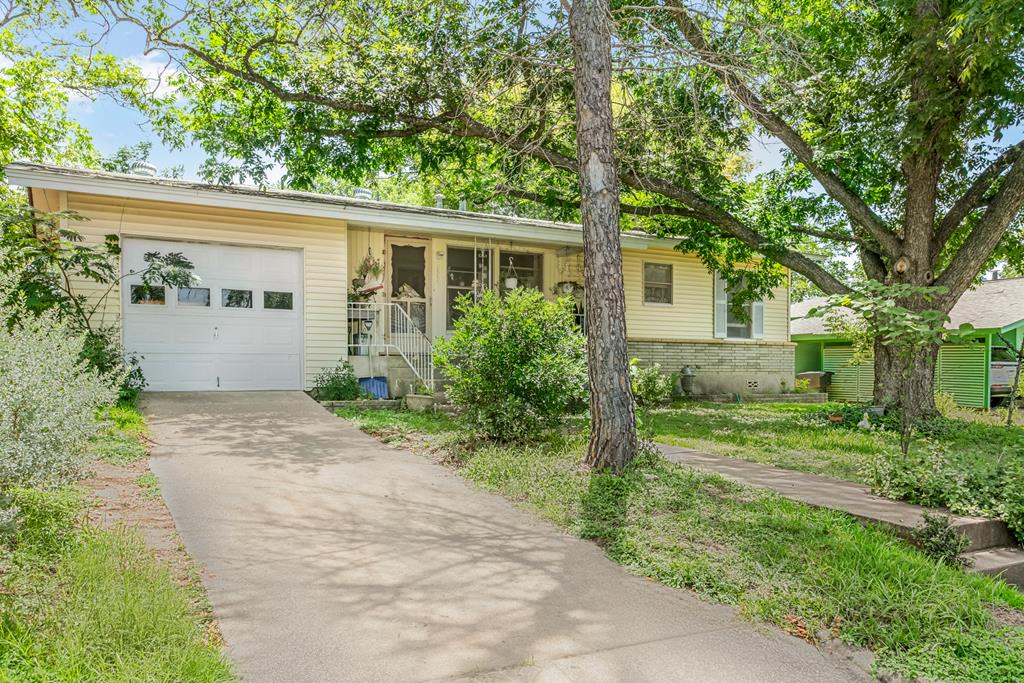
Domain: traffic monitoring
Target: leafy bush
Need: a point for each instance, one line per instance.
(802, 386)
(650, 386)
(102, 350)
(938, 475)
(48, 402)
(337, 384)
(937, 539)
(945, 404)
(47, 522)
(515, 364)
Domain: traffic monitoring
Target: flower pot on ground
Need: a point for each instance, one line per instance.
(419, 402)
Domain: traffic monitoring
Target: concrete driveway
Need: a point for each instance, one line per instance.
(331, 557)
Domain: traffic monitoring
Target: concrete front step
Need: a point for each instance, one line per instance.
(856, 500)
(1006, 563)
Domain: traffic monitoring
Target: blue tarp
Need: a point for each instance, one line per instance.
(378, 386)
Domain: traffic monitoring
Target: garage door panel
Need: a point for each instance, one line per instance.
(258, 371)
(190, 347)
(181, 371)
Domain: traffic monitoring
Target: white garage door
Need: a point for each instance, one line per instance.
(239, 328)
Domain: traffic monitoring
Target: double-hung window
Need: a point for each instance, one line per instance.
(658, 283)
(744, 321)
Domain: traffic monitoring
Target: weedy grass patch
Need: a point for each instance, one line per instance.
(808, 570)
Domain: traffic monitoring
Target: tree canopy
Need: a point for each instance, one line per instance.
(48, 58)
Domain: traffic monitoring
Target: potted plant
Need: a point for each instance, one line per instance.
(420, 398)
(371, 272)
(511, 280)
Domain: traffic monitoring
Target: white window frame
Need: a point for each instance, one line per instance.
(671, 284)
(721, 306)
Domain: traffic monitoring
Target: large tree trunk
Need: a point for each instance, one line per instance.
(613, 438)
(906, 383)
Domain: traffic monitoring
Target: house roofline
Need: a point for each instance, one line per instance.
(355, 211)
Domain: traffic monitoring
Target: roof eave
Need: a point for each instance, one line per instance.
(389, 217)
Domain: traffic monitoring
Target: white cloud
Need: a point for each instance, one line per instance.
(158, 69)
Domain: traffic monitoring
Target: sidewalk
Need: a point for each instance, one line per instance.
(992, 550)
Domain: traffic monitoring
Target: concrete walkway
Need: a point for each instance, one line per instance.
(331, 557)
(991, 548)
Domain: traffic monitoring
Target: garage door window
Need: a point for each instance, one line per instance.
(277, 301)
(147, 294)
(194, 296)
(236, 298)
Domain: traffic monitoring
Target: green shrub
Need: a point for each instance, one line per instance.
(651, 387)
(103, 352)
(337, 384)
(937, 539)
(49, 399)
(938, 475)
(46, 523)
(515, 364)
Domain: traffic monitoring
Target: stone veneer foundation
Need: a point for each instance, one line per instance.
(723, 366)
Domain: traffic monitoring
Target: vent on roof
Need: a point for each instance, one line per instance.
(362, 193)
(439, 200)
(144, 168)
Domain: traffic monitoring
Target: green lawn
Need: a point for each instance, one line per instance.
(971, 466)
(802, 568)
(786, 435)
(79, 603)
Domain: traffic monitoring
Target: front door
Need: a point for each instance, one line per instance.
(407, 283)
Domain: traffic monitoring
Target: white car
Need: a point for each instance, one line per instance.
(1001, 372)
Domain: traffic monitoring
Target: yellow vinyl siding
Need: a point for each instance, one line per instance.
(322, 241)
(691, 315)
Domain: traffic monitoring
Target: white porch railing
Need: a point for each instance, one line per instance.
(375, 326)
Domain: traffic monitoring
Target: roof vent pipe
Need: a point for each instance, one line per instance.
(462, 204)
(143, 168)
(362, 193)
(439, 200)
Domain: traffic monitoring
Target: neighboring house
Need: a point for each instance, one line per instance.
(975, 373)
(272, 309)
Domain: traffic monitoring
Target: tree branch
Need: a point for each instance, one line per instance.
(462, 124)
(632, 209)
(855, 206)
(985, 236)
(974, 197)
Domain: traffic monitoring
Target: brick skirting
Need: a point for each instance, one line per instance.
(723, 367)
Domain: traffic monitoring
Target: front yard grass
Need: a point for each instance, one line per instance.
(813, 572)
(971, 466)
(82, 603)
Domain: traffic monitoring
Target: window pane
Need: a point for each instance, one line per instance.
(469, 272)
(236, 298)
(738, 323)
(657, 283)
(278, 301)
(147, 294)
(527, 269)
(408, 271)
(193, 296)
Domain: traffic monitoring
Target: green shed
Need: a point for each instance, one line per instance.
(996, 310)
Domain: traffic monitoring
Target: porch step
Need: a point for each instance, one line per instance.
(1007, 563)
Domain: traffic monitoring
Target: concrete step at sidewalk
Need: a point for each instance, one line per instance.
(1006, 563)
(854, 499)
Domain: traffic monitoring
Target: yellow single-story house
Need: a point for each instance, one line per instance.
(276, 304)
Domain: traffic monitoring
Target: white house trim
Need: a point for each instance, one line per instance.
(365, 213)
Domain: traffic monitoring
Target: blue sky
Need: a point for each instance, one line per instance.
(113, 125)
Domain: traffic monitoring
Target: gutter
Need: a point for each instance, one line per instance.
(362, 212)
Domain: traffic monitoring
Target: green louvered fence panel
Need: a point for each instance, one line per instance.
(961, 372)
(853, 383)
